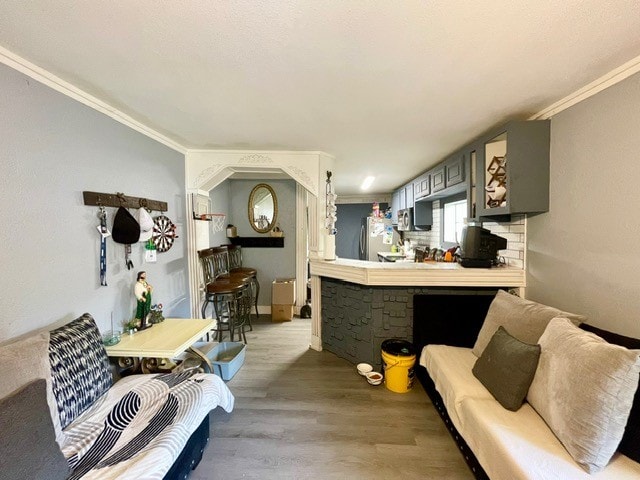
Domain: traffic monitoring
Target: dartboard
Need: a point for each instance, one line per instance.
(164, 233)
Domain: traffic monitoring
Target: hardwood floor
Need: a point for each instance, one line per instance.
(302, 414)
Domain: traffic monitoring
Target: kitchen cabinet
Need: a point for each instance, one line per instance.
(448, 178)
(422, 186)
(512, 169)
(395, 206)
(438, 179)
(400, 199)
(454, 169)
(409, 196)
(423, 215)
(471, 155)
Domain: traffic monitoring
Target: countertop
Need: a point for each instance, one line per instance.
(393, 256)
(417, 274)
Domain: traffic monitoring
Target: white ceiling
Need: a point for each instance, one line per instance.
(387, 87)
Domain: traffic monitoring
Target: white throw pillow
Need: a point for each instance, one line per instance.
(523, 319)
(583, 388)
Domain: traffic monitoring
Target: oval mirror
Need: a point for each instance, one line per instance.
(263, 208)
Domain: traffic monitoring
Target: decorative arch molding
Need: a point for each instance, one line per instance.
(205, 169)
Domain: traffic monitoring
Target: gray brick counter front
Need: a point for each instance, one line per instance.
(356, 319)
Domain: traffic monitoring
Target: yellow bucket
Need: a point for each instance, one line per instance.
(398, 359)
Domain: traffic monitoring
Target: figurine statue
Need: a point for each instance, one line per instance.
(142, 291)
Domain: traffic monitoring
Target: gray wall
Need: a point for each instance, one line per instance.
(583, 254)
(52, 149)
(219, 197)
(271, 263)
(350, 216)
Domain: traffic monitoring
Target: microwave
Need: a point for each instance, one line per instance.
(405, 220)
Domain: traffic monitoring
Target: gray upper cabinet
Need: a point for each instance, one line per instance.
(454, 170)
(408, 192)
(422, 186)
(395, 206)
(449, 177)
(400, 199)
(438, 179)
(512, 165)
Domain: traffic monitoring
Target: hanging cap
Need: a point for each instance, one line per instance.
(125, 228)
(146, 224)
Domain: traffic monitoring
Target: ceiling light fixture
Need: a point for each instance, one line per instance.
(367, 183)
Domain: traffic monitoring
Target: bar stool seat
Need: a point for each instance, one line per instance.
(228, 296)
(225, 286)
(235, 265)
(252, 272)
(237, 276)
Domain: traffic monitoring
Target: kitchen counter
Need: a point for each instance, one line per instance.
(426, 274)
(391, 256)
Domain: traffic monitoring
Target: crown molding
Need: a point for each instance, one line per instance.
(47, 78)
(50, 80)
(611, 78)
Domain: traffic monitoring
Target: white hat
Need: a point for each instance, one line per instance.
(146, 224)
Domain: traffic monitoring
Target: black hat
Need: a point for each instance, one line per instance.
(125, 228)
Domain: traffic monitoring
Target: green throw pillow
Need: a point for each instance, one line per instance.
(506, 368)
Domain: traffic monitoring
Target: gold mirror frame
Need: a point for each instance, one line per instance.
(255, 197)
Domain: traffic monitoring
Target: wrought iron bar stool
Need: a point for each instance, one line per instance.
(228, 293)
(235, 266)
(231, 300)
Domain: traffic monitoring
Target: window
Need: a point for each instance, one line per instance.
(453, 216)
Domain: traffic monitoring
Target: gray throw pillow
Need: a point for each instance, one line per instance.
(24, 361)
(28, 447)
(523, 319)
(583, 389)
(506, 368)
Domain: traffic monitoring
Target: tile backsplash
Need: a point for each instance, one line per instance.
(514, 231)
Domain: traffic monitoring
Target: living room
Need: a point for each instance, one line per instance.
(56, 144)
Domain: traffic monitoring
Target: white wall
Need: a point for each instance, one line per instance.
(51, 149)
(583, 254)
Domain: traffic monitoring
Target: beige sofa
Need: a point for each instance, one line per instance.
(572, 420)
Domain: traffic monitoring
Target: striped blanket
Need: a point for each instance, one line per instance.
(140, 426)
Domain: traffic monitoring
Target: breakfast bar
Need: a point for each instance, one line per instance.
(363, 303)
(425, 274)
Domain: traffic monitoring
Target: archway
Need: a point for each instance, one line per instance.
(206, 169)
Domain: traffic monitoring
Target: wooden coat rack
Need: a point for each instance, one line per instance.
(121, 200)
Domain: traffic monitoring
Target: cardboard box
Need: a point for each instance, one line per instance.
(283, 291)
(281, 312)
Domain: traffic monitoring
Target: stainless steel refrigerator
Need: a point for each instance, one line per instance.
(376, 235)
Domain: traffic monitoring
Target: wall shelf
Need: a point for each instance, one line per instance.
(258, 242)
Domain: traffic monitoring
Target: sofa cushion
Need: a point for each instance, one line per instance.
(24, 361)
(520, 446)
(523, 319)
(79, 367)
(584, 390)
(630, 444)
(450, 369)
(506, 368)
(28, 447)
(138, 428)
